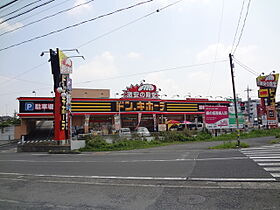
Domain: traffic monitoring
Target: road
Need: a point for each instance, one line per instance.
(187, 176)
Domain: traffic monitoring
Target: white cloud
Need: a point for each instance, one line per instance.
(133, 55)
(80, 9)
(8, 27)
(220, 51)
(100, 67)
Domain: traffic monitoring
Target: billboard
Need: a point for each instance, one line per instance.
(268, 81)
(216, 117)
(141, 91)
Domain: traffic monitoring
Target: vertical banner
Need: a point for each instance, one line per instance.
(139, 119)
(117, 121)
(155, 122)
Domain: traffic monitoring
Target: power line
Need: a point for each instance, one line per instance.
(77, 24)
(136, 74)
(116, 29)
(28, 70)
(47, 17)
(127, 24)
(27, 5)
(239, 19)
(155, 71)
(247, 68)
(5, 5)
(243, 26)
(27, 11)
(216, 51)
(34, 14)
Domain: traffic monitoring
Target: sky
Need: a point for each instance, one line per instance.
(183, 49)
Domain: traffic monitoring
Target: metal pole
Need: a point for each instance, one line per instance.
(234, 98)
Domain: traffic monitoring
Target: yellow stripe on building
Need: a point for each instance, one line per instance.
(90, 109)
(89, 103)
(91, 106)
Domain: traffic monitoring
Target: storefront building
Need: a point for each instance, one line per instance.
(139, 106)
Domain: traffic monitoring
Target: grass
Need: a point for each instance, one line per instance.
(97, 143)
(275, 141)
(230, 145)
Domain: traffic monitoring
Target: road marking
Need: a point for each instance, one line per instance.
(9, 201)
(272, 169)
(277, 175)
(101, 177)
(266, 160)
(264, 157)
(269, 164)
(120, 161)
(234, 179)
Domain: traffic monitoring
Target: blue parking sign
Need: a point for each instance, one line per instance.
(29, 106)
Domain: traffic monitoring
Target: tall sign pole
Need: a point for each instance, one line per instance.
(234, 99)
(61, 69)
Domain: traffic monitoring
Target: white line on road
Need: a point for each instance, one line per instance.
(234, 179)
(101, 177)
(264, 157)
(266, 160)
(272, 169)
(276, 175)
(269, 164)
(120, 161)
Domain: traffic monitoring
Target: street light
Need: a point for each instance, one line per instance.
(175, 96)
(209, 96)
(116, 94)
(163, 95)
(189, 95)
(198, 96)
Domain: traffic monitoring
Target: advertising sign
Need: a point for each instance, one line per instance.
(271, 116)
(141, 91)
(36, 107)
(65, 63)
(269, 81)
(263, 93)
(216, 117)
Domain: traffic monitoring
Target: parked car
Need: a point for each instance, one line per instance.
(143, 131)
(125, 132)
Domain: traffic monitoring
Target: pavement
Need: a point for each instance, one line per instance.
(185, 176)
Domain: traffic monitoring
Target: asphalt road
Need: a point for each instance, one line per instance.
(187, 176)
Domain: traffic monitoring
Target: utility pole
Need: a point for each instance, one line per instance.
(234, 99)
(248, 102)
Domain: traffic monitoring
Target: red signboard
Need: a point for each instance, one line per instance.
(216, 117)
(141, 91)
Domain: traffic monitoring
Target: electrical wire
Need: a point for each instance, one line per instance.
(136, 74)
(47, 17)
(5, 5)
(105, 34)
(127, 24)
(28, 70)
(27, 11)
(247, 68)
(243, 26)
(155, 71)
(217, 47)
(239, 19)
(27, 5)
(76, 25)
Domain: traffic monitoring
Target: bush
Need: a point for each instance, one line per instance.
(96, 142)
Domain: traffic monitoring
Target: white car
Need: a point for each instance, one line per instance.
(143, 131)
(125, 132)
